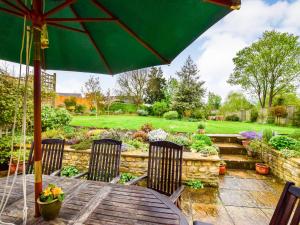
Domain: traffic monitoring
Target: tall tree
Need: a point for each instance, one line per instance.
(234, 102)
(268, 67)
(133, 84)
(213, 101)
(93, 92)
(155, 86)
(190, 91)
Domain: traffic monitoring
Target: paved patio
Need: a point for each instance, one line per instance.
(244, 198)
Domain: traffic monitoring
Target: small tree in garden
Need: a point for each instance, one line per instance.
(170, 90)
(133, 84)
(93, 92)
(108, 100)
(214, 101)
(190, 90)
(155, 86)
(235, 102)
(268, 67)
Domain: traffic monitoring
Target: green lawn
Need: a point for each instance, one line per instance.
(135, 122)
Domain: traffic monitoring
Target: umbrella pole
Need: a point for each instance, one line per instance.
(37, 8)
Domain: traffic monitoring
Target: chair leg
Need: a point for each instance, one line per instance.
(178, 203)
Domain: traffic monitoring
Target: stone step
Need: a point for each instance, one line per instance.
(225, 138)
(239, 162)
(231, 148)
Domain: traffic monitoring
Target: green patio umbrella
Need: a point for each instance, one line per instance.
(103, 36)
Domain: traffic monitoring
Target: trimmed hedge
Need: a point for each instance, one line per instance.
(125, 107)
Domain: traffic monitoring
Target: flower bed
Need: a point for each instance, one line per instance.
(195, 166)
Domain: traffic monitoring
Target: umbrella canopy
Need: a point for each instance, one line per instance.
(105, 36)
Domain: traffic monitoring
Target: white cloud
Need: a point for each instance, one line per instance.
(236, 31)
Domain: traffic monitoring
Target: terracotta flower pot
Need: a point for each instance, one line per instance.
(49, 210)
(222, 169)
(13, 167)
(262, 169)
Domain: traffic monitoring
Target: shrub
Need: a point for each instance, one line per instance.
(5, 147)
(171, 115)
(289, 153)
(126, 177)
(270, 120)
(142, 112)
(253, 115)
(267, 134)
(199, 114)
(157, 135)
(123, 107)
(180, 140)
(54, 118)
(84, 145)
(118, 112)
(195, 184)
(232, 118)
(140, 135)
(135, 144)
(69, 171)
(283, 142)
(259, 146)
(201, 125)
(54, 133)
(279, 111)
(202, 137)
(147, 127)
(198, 145)
(201, 147)
(159, 108)
(80, 109)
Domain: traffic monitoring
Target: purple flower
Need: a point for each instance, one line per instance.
(251, 135)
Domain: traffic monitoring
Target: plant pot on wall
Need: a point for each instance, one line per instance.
(262, 169)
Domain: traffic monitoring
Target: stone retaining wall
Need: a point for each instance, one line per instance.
(195, 166)
(287, 169)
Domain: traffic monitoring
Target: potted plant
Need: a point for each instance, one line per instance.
(222, 168)
(14, 162)
(50, 201)
(262, 168)
(201, 127)
(247, 136)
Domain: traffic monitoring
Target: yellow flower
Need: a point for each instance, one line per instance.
(56, 191)
(47, 192)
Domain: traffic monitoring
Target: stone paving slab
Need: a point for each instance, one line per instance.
(243, 198)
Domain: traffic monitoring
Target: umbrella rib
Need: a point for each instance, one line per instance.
(131, 32)
(13, 6)
(100, 53)
(79, 19)
(23, 6)
(12, 12)
(58, 8)
(66, 27)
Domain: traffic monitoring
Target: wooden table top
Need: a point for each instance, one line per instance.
(92, 202)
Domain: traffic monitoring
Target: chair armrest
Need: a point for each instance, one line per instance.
(115, 180)
(201, 223)
(80, 175)
(136, 180)
(55, 173)
(177, 194)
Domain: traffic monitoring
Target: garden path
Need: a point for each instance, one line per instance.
(243, 198)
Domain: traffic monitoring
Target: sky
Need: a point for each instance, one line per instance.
(214, 50)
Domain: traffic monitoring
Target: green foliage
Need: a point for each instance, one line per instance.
(5, 146)
(235, 102)
(232, 118)
(188, 96)
(180, 140)
(125, 107)
(80, 109)
(171, 115)
(289, 153)
(83, 145)
(296, 119)
(214, 101)
(51, 193)
(142, 112)
(268, 67)
(278, 111)
(201, 125)
(259, 146)
(70, 104)
(126, 177)
(195, 184)
(267, 134)
(202, 137)
(155, 86)
(199, 114)
(135, 144)
(69, 171)
(54, 118)
(282, 142)
(254, 115)
(159, 108)
(295, 135)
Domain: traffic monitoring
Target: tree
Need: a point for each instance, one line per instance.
(214, 101)
(133, 84)
(93, 92)
(108, 100)
(268, 67)
(170, 90)
(190, 91)
(235, 102)
(155, 86)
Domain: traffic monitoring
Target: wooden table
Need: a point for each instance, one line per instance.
(91, 202)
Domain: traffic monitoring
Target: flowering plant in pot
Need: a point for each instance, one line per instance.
(50, 201)
(247, 136)
(201, 127)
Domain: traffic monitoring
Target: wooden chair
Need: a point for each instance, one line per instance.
(104, 161)
(52, 150)
(164, 169)
(288, 208)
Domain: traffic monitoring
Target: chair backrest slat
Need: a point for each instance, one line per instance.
(288, 207)
(105, 160)
(164, 166)
(52, 155)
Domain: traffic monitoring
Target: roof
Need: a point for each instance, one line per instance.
(70, 94)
